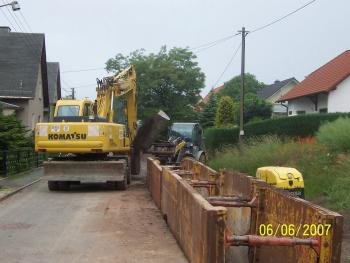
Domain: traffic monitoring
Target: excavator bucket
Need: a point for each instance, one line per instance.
(145, 136)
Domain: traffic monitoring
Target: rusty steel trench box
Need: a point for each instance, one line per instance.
(215, 217)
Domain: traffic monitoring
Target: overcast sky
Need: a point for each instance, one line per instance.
(83, 34)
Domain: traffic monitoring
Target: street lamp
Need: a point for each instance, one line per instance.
(14, 4)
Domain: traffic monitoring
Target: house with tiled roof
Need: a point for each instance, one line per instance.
(272, 93)
(24, 75)
(213, 91)
(327, 89)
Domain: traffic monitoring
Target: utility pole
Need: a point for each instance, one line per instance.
(73, 93)
(241, 111)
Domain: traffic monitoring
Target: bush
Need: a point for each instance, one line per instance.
(13, 134)
(296, 126)
(224, 112)
(335, 135)
(216, 138)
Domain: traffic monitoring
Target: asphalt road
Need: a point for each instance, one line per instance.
(86, 224)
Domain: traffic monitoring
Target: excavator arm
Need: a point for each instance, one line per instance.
(109, 89)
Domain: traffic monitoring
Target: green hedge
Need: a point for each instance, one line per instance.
(296, 126)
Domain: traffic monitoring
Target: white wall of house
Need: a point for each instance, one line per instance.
(7, 112)
(305, 105)
(277, 95)
(277, 107)
(298, 105)
(339, 99)
(32, 109)
(36, 106)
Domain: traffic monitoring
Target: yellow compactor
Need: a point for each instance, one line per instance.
(289, 179)
(94, 141)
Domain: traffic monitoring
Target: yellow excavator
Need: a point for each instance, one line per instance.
(97, 141)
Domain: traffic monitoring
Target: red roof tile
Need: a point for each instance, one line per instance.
(216, 90)
(324, 79)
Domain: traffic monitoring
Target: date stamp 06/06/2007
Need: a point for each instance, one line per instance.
(291, 230)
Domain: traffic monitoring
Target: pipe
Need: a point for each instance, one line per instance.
(254, 240)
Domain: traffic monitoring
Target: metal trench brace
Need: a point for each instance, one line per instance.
(204, 184)
(183, 173)
(255, 240)
(232, 201)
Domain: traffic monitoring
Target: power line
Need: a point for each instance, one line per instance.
(7, 18)
(65, 83)
(205, 46)
(9, 10)
(211, 43)
(210, 46)
(229, 63)
(25, 21)
(85, 85)
(65, 90)
(283, 17)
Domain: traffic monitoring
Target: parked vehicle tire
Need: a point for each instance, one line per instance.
(122, 185)
(64, 185)
(53, 185)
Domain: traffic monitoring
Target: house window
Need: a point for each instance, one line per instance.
(300, 112)
(290, 112)
(324, 110)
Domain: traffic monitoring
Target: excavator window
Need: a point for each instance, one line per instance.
(86, 111)
(120, 112)
(68, 110)
(197, 135)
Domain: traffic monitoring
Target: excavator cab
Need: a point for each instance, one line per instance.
(75, 111)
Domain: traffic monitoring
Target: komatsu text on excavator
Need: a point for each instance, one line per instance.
(94, 141)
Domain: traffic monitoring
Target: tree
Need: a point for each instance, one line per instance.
(207, 116)
(224, 113)
(169, 80)
(255, 108)
(232, 88)
(13, 134)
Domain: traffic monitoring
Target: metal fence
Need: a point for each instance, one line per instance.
(16, 161)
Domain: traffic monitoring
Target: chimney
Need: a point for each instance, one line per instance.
(4, 30)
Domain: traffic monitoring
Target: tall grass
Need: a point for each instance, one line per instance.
(326, 176)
